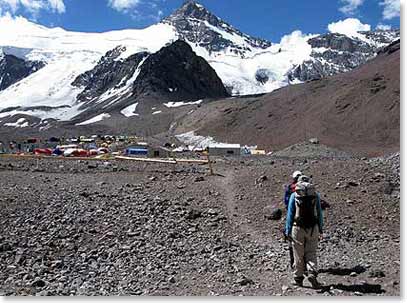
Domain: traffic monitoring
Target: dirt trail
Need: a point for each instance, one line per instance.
(226, 184)
(346, 266)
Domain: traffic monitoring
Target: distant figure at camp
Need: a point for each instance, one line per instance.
(290, 188)
(304, 224)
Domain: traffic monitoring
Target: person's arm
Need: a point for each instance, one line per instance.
(320, 216)
(290, 215)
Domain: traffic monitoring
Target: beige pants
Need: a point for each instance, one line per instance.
(305, 247)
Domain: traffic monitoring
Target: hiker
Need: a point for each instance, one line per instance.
(303, 226)
(290, 188)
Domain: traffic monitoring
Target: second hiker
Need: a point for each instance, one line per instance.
(303, 226)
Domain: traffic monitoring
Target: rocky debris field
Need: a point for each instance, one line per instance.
(308, 149)
(125, 228)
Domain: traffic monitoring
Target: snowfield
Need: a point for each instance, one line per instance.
(67, 55)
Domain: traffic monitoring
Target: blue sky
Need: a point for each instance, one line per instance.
(269, 19)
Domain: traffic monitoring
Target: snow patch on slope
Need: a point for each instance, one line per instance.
(181, 103)
(94, 119)
(129, 111)
(22, 122)
(59, 113)
(194, 141)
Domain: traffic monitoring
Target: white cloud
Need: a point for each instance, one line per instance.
(57, 6)
(391, 9)
(293, 39)
(123, 6)
(383, 27)
(350, 6)
(34, 7)
(9, 4)
(349, 27)
(139, 10)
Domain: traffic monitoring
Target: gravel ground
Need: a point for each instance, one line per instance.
(121, 228)
(307, 150)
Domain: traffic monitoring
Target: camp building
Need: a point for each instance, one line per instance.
(223, 149)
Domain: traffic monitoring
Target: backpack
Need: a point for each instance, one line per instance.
(305, 202)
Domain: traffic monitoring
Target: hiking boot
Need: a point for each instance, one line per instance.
(314, 282)
(296, 282)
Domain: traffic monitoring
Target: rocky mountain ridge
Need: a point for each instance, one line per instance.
(14, 69)
(177, 73)
(335, 53)
(173, 73)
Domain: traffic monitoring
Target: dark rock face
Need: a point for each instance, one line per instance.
(382, 36)
(262, 75)
(177, 73)
(339, 42)
(13, 69)
(110, 72)
(391, 48)
(335, 53)
(195, 24)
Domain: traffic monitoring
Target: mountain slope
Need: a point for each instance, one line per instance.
(176, 73)
(145, 81)
(358, 111)
(245, 65)
(49, 93)
(335, 53)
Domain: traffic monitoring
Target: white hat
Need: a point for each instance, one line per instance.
(296, 174)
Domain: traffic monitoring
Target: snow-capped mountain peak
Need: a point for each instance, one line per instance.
(194, 23)
(193, 9)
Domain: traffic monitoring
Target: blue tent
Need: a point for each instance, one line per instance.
(57, 152)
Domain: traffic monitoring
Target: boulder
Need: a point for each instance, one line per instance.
(273, 213)
(314, 141)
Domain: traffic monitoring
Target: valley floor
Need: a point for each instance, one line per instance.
(120, 228)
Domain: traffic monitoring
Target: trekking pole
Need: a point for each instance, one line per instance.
(290, 249)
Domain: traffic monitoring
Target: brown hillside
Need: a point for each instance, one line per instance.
(357, 111)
